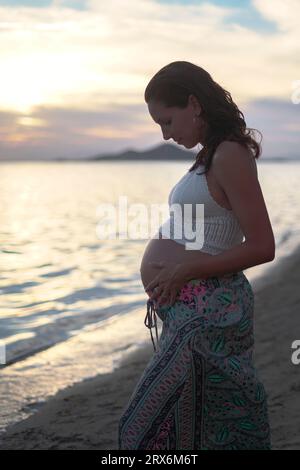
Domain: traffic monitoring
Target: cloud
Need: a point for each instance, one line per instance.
(279, 122)
(97, 62)
(60, 132)
(75, 4)
(285, 14)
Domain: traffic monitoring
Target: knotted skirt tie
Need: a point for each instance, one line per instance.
(151, 320)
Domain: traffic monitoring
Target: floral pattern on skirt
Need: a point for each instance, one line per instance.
(200, 390)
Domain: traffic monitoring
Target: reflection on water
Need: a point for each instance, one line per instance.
(26, 385)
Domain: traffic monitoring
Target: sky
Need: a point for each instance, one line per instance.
(73, 72)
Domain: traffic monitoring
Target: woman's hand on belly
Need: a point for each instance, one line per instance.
(167, 283)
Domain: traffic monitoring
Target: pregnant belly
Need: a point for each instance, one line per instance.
(165, 250)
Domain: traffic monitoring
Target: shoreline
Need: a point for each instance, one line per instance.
(86, 415)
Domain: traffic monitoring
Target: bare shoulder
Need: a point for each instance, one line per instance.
(235, 171)
(234, 157)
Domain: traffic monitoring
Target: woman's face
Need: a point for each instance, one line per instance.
(177, 123)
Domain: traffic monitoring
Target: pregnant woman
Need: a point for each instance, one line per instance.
(200, 389)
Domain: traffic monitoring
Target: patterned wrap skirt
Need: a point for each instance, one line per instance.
(200, 390)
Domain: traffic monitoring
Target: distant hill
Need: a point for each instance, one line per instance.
(160, 152)
(172, 153)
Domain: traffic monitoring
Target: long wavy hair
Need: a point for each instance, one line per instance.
(173, 84)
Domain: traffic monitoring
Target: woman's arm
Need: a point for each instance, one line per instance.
(236, 172)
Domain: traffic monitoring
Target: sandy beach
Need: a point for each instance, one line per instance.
(86, 415)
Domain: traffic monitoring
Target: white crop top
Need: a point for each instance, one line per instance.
(216, 227)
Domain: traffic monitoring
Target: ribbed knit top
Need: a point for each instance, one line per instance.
(218, 226)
